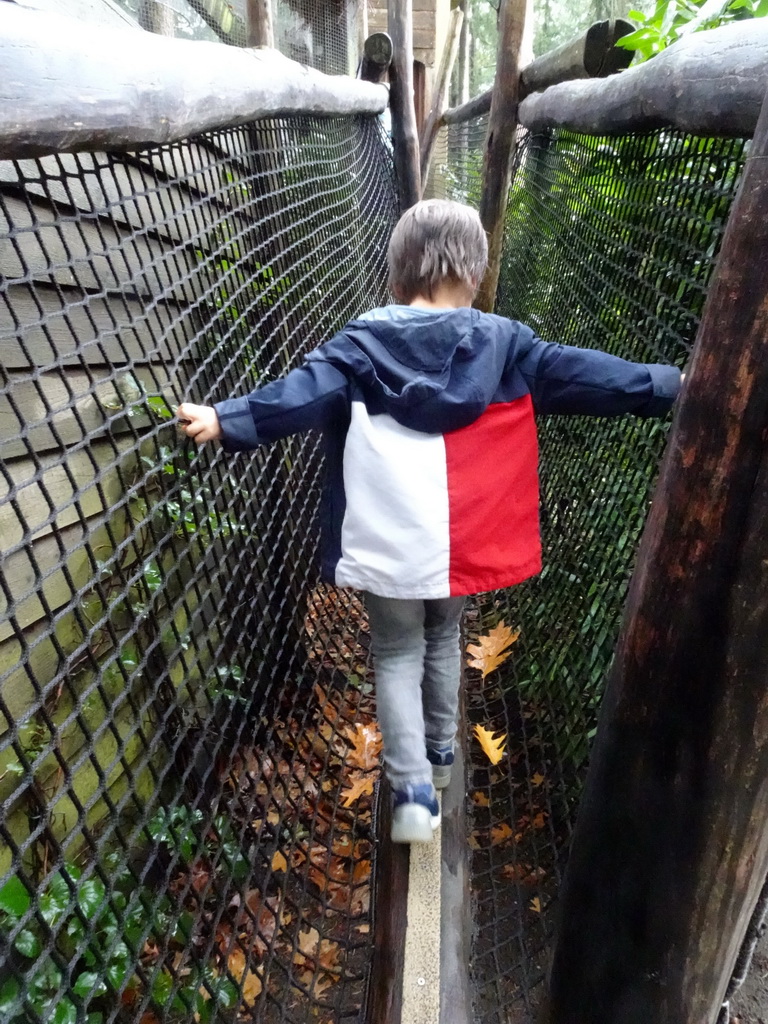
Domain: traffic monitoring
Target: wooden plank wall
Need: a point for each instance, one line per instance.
(109, 268)
(430, 25)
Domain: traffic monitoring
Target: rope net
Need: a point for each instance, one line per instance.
(610, 243)
(187, 741)
(319, 33)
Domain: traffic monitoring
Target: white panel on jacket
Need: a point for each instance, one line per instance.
(395, 534)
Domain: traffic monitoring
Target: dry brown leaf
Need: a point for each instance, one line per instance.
(537, 779)
(539, 820)
(328, 956)
(366, 746)
(258, 919)
(279, 863)
(492, 747)
(250, 980)
(535, 905)
(480, 799)
(358, 785)
(491, 648)
(309, 940)
(516, 872)
(500, 833)
(353, 900)
(523, 873)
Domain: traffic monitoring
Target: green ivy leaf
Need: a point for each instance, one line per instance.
(14, 898)
(28, 944)
(90, 896)
(88, 984)
(55, 900)
(9, 997)
(65, 1013)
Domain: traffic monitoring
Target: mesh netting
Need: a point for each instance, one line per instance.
(457, 162)
(322, 34)
(318, 34)
(188, 749)
(610, 244)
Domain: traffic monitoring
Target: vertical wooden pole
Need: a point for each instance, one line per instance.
(405, 137)
(258, 16)
(441, 91)
(500, 143)
(462, 95)
(671, 847)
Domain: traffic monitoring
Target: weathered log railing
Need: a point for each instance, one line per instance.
(68, 86)
(709, 83)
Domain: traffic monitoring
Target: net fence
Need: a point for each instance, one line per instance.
(188, 750)
(322, 34)
(610, 243)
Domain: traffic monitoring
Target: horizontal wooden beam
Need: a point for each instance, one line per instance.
(589, 55)
(68, 86)
(709, 83)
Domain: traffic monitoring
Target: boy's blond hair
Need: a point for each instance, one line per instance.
(436, 240)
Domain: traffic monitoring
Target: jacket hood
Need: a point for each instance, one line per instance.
(406, 358)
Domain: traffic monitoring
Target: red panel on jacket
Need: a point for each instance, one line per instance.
(493, 497)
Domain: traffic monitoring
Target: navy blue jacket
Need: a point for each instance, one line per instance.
(431, 444)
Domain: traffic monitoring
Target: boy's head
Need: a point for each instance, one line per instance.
(436, 242)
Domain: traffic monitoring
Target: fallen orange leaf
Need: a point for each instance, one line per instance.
(308, 942)
(535, 905)
(366, 746)
(491, 649)
(358, 785)
(523, 873)
(493, 748)
(499, 833)
(251, 982)
(279, 863)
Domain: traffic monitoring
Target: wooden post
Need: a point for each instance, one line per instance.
(499, 145)
(258, 16)
(405, 137)
(670, 849)
(441, 91)
(464, 48)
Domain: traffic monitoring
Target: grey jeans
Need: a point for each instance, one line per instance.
(417, 665)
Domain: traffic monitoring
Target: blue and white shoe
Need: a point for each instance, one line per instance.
(441, 761)
(415, 814)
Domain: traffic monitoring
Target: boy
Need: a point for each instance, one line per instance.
(432, 494)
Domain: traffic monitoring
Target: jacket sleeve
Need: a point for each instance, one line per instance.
(307, 398)
(565, 379)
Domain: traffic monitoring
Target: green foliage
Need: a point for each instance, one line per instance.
(98, 930)
(670, 20)
(610, 244)
(178, 831)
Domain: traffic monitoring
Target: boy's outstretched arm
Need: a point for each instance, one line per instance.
(307, 398)
(565, 379)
